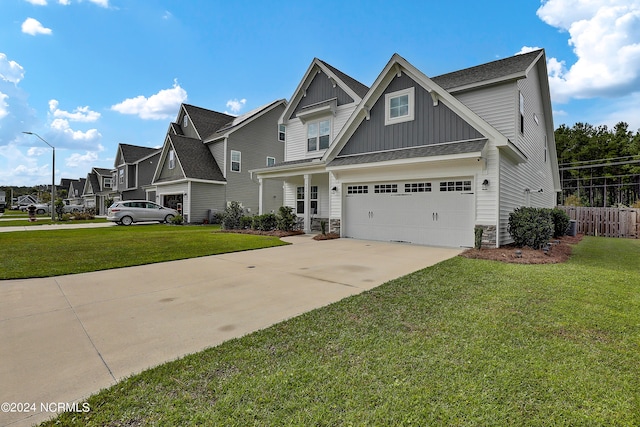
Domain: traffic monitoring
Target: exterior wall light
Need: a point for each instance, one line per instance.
(334, 190)
(485, 184)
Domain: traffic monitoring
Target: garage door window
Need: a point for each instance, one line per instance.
(358, 189)
(417, 187)
(455, 186)
(385, 188)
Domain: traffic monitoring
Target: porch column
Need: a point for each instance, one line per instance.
(260, 208)
(307, 203)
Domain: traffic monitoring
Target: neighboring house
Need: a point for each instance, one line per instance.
(63, 186)
(98, 189)
(207, 156)
(76, 188)
(133, 173)
(421, 160)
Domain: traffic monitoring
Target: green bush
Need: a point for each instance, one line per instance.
(232, 216)
(264, 222)
(478, 237)
(86, 215)
(573, 200)
(246, 222)
(177, 220)
(217, 217)
(286, 219)
(560, 222)
(532, 227)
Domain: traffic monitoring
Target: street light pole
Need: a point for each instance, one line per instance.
(53, 174)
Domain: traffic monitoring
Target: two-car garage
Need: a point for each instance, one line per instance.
(439, 212)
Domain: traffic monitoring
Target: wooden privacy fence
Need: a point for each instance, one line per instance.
(606, 222)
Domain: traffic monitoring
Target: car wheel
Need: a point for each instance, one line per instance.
(168, 218)
(126, 220)
(40, 212)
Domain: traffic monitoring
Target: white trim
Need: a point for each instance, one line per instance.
(274, 161)
(239, 161)
(410, 93)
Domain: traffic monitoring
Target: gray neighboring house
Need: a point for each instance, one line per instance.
(133, 173)
(97, 190)
(207, 156)
(76, 188)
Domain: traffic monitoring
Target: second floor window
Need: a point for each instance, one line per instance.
(121, 176)
(282, 133)
(107, 183)
(318, 135)
(236, 157)
(172, 159)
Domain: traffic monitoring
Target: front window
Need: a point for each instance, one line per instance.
(121, 176)
(399, 106)
(282, 133)
(318, 135)
(271, 161)
(107, 183)
(313, 200)
(236, 157)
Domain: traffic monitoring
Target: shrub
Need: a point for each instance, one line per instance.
(530, 227)
(232, 216)
(323, 227)
(86, 215)
(265, 222)
(177, 220)
(478, 237)
(65, 217)
(286, 220)
(560, 222)
(636, 205)
(246, 222)
(217, 217)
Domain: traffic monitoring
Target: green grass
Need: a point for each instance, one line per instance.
(45, 220)
(56, 252)
(464, 343)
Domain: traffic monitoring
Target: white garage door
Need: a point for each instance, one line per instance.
(429, 212)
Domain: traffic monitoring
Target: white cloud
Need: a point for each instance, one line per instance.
(4, 107)
(526, 49)
(605, 35)
(37, 2)
(62, 129)
(36, 151)
(80, 114)
(87, 159)
(34, 27)
(64, 2)
(163, 105)
(102, 3)
(235, 106)
(10, 71)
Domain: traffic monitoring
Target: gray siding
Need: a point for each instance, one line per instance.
(431, 125)
(146, 169)
(204, 197)
(167, 174)
(130, 177)
(255, 141)
(321, 89)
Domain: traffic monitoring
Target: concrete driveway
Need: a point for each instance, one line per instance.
(65, 338)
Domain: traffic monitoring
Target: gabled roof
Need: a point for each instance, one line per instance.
(194, 158)
(351, 86)
(396, 65)
(245, 118)
(514, 67)
(133, 153)
(65, 183)
(206, 122)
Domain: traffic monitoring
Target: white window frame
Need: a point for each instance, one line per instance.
(185, 121)
(318, 135)
(271, 161)
(238, 161)
(521, 109)
(172, 159)
(107, 182)
(313, 200)
(410, 93)
(121, 176)
(282, 133)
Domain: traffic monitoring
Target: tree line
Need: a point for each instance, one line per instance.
(599, 166)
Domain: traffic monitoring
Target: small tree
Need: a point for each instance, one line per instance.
(59, 206)
(286, 220)
(232, 216)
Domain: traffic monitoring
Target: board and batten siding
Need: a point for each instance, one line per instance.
(431, 124)
(321, 89)
(255, 141)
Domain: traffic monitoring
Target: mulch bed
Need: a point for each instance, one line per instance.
(276, 233)
(558, 253)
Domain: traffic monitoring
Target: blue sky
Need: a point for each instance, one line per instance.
(88, 74)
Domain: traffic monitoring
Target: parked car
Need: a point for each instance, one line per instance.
(129, 211)
(72, 207)
(41, 208)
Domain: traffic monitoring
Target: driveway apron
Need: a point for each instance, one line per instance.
(65, 338)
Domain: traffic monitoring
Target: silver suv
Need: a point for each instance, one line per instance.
(129, 211)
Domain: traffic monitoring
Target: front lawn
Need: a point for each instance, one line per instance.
(56, 252)
(465, 343)
(45, 220)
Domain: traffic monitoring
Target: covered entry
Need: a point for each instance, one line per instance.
(427, 212)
